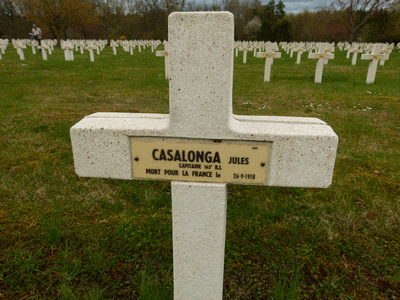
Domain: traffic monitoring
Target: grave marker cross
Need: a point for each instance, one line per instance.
(282, 151)
(373, 58)
(269, 56)
(165, 55)
(322, 56)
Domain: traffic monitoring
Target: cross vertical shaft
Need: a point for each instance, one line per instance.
(199, 226)
(201, 71)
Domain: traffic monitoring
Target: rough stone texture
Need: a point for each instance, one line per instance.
(198, 221)
(100, 144)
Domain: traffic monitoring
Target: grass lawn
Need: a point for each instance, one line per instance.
(65, 237)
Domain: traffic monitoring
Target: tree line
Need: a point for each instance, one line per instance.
(343, 20)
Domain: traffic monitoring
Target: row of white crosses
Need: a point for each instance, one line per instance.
(373, 52)
(22, 44)
(256, 47)
(69, 46)
(130, 45)
(323, 54)
(201, 146)
(356, 48)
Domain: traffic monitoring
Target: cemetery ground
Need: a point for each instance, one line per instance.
(65, 237)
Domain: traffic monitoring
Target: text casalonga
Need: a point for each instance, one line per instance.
(182, 155)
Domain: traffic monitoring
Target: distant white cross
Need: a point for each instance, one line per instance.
(321, 56)
(166, 59)
(373, 58)
(269, 56)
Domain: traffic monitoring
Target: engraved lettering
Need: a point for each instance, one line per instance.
(199, 156)
(162, 155)
(177, 156)
(154, 154)
(191, 156)
(171, 172)
(217, 159)
(208, 157)
(238, 160)
(170, 156)
(201, 174)
(191, 166)
(153, 171)
(184, 156)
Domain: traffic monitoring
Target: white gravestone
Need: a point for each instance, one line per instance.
(321, 56)
(355, 50)
(91, 47)
(201, 146)
(43, 48)
(33, 45)
(114, 46)
(387, 51)
(68, 48)
(166, 59)
(269, 56)
(299, 53)
(20, 49)
(3, 45)
(373, 58)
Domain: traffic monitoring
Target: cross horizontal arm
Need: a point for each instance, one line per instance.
(302, 153)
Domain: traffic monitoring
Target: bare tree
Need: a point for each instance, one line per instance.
(357, 12)
(252, 27)
(58, 15)
(8, 10)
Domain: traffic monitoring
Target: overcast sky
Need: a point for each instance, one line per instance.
(293, 6)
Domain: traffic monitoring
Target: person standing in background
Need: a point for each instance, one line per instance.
(36, 34)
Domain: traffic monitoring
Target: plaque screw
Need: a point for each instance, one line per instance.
(262, 164)
(136, 158)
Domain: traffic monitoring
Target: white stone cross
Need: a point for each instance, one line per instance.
(245, 49)
(114, 46)
(269, 56)
(300, 49)
(33, 44)
(81, 46)
(20, 49)
(385, 50)
(166, 59)
(373, 58)
(43, 48)
(3, 45)
(201, 146)
(322, 56)
(91, 47)
(355, 50)
(68, 48)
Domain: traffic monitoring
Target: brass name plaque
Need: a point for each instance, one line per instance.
(322, 56)
(237, 162)
(376, 57)
(268, 55)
